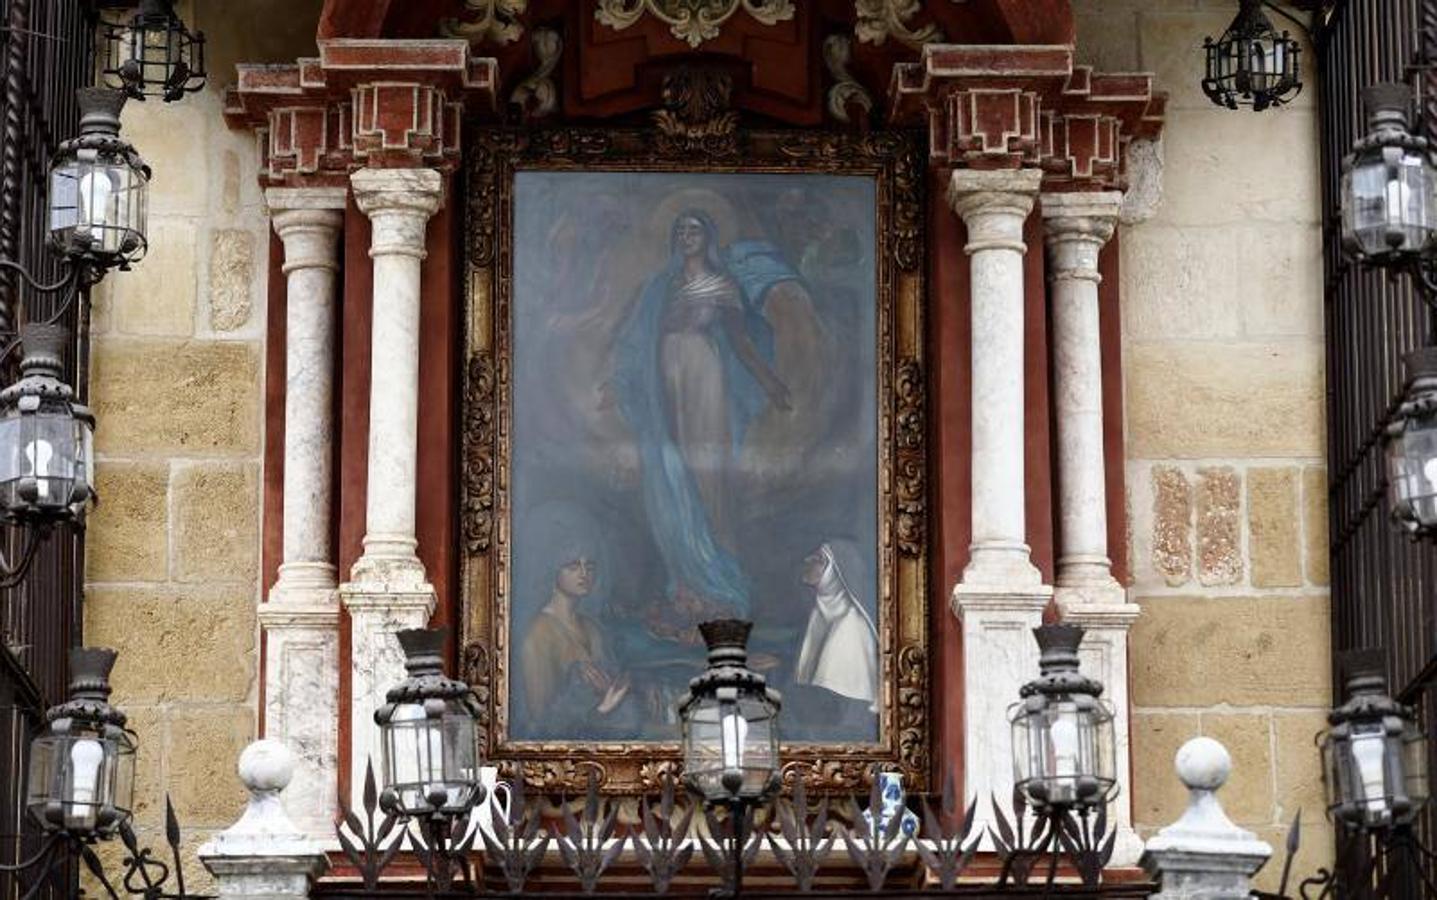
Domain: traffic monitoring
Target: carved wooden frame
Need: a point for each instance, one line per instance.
(896, 162)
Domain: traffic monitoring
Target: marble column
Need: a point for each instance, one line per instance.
(1076, 225)
(301, 618)
(1001, 596)
(388, 590)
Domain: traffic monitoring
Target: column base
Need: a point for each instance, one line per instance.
(1001, 569)
(388, 569)
(1097, 594)
(376, 663)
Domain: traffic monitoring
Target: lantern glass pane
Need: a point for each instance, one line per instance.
(1414, 765)
(43, 456)
(1063, 750)
(82, 781)
(1388, 204)
(98, 205)
(1412, 471)
(729, 736)
(429, 761)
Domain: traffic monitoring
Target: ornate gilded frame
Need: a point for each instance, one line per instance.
(710, 143)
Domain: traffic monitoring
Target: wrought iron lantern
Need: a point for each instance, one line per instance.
(1412, 448)
(1252, 64)
(1063, 743)
(153, 54)
(1374, 755)
(730, 722)
(429, 745)
(1388, 193)
(46, 437)
(82, 766)
(98, 188)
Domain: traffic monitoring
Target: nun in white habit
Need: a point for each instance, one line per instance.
(840, 647)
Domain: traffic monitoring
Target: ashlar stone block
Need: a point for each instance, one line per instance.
(157, 297)
(216, 532)
(189, 643)
(231, 278)
(172, 397)
(1273, 525)
(1158, 796)
(1248, 798)
(203, 744)
(1315, 524)
(1246, 651)
(127, 534)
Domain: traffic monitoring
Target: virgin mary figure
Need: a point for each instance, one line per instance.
(693, 368)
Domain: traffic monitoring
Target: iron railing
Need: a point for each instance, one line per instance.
(46, 52)
(1384, 587)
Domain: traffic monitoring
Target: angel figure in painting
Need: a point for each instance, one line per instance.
(693, 368)
(840, 646)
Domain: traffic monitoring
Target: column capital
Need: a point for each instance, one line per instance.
(1080, 215)
(283, 199)
(994, 203)
(414, 191)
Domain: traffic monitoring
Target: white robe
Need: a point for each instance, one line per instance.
(840, 647)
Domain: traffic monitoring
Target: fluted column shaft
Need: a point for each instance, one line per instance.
(301, 618)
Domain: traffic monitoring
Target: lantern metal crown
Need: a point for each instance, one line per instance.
(428, 735)
(1063, 743)
(1252, 64)
(1374, 755)
(153, 54)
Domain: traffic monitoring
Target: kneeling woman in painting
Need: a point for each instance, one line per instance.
(840, 647)
(572, 686)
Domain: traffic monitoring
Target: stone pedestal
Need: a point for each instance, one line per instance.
(388, 590)
(264, 856)
(1203, 855)
(301, 618)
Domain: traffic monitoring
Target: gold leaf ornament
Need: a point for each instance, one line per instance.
(879, 20)
(497, 22)
(693, 21)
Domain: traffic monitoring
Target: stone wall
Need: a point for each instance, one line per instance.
(177, 384)
(1223, 381)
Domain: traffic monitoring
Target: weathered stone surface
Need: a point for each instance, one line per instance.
(1281, 277)
(158, 296)
(181, 162)
(1219, 526)
(1208, 147)
(1315, 523)
(1272, 525)
(1247, 797)
(230, 195)
(1105, 37)
(1247, 651)
(1180, 283)
(127, 538)
(1172, 525)
(1193, 400)
(1299, 765)
(164, 396)
(149, 723)
(231, 275)
(1158, 796)
(216, 523)
(195, 642)
(204, 745)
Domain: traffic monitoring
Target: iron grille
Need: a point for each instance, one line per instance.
(1384, 587)
(48, 52)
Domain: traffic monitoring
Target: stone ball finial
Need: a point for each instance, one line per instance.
(1203, 764)
(266, 766)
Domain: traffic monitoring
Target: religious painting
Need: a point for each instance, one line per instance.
(692, 394)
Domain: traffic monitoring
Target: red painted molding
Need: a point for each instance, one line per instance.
(353, 18)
